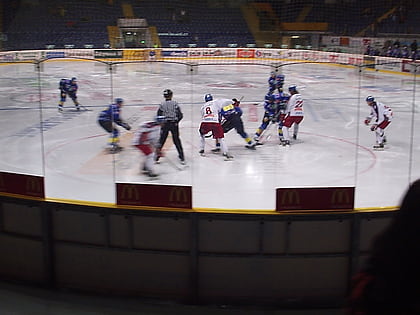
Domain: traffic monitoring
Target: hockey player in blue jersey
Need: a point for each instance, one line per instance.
(68, 87)
(110, 117)
(275, 82)
(231, 119)
(270, 116)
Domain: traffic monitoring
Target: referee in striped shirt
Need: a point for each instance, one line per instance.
(173, 115)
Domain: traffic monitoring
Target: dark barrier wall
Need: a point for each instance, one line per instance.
(283, 259)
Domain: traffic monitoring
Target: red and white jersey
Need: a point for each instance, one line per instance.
(148, 133)
(380, 112)
(210, 111)
(295, 105)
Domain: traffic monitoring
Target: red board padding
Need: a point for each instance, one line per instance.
(19, 184)
(331, 198)
(165, 196)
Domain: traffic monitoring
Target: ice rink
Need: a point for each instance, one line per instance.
(334, 147)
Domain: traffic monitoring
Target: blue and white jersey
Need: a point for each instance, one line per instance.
(112, 113)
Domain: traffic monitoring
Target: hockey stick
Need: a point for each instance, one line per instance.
(266, 134)
(85, 108)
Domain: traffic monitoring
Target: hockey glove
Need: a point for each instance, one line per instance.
(373, 127)
(367, 122)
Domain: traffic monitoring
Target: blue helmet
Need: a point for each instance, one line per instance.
(208, 97)
(280, 77)
(293, 88)
(119, 100)
(269, 97)
(370, 99)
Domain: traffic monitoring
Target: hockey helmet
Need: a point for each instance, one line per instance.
(292, 88)
(167, 93)
(370, 99)
(269, 97)
(74, 79)
(280, 77)
(119, 100)
(208, 97)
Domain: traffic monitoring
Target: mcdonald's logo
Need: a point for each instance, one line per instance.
(33, 185)
(290, 197)
(342, 198)
(130, 192)
(178, 194)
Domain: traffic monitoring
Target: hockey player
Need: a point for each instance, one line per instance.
(270, 116)
(382, 116)
(231, 119)
(294, 115)
(210, 122)
(171, 110)
(110, 117)
(281, 100)
(146, 139)
(68, 87)
(275, 82)
(272, 82)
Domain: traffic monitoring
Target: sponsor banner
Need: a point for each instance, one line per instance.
(297, 199)
(7, 57)
(410, 66)
(369, 62)
(265, 53)
(355, 60)
(175, 53)
(29, 55)
(311, 55)
(245, 53)
(135, 54)
(164, 196)
(195, 53)
(80, 53)
(219, 53)
(25, 185)
(55, 54)
(108, 53)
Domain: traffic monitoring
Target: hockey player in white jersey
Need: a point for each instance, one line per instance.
(294, 115)
(146, 139)
(382, 116)
(210, 122)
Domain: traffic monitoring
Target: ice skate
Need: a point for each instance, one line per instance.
(384, 141)
(379, 147)
(115, 149)
(152, 174)
(251, 146)
(285, 143)
(144, 170)
(215, 150)
(202, 153)
(257, 141)
(227, 157)
(182, 161)
(77, 107)
(294, 136)
(60, 108)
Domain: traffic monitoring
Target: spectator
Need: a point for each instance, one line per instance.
(413, 48)
(390, 283)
